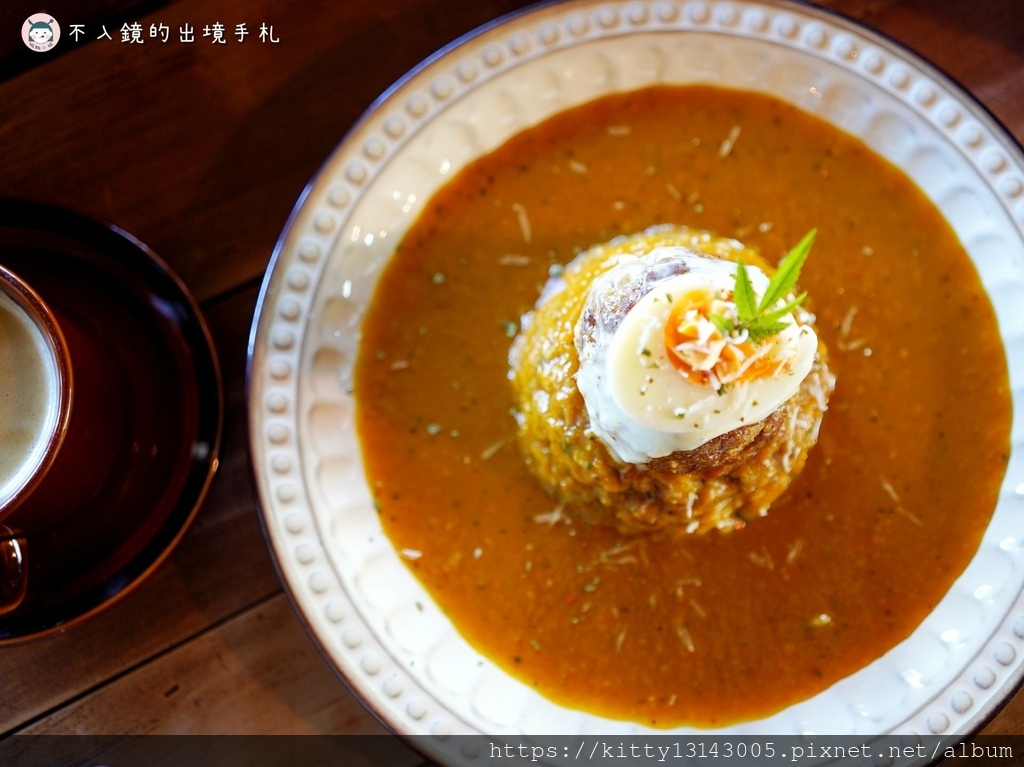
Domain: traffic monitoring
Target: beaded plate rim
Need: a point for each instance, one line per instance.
(274, 362)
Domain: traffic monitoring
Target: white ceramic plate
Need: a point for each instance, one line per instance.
(410, 665)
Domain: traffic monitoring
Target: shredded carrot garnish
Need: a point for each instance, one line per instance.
(703, 354)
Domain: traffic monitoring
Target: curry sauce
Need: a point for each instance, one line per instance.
(713, 629)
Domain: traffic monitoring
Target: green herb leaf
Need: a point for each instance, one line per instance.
(788, 273)
(744, 295)
(782, 311)
(761, 320)
(760, 330)
(724, 324)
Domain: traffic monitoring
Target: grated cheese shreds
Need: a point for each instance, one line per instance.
(847, 324)
(724, 358)
(899, 508)
(619, 554)
(762, 558)
(550, 518)
(682, 583)
(684, 636)
(730, 141)
(492, 450)
(845, 344)
(512, 259)
(691, 499)
(524, 221)
(909, 515)
(793, 550)
(578, 167)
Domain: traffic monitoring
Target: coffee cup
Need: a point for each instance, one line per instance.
(61, 425)
(35, 409)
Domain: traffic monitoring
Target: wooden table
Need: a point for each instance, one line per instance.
(201, 150)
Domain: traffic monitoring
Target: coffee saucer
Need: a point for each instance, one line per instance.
(162, 354)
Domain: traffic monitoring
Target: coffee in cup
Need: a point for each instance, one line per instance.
(35, 407)
(29, 399)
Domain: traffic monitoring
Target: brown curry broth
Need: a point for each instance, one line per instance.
(712, 629)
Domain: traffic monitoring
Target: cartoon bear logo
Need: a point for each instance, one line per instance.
(40, 32)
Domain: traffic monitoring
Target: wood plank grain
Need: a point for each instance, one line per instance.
(982, 48)
(206, 750)
(15, 57)
(1009, 720)
(220, 568)
(262, 657)
(201, 150)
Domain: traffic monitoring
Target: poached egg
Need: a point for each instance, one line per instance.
(670, 376)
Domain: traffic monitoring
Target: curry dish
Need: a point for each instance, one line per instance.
(711, 629)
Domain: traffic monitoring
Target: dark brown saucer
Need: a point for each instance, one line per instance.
(159, 353)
